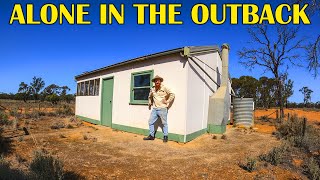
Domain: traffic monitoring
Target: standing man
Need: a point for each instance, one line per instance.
(159, 98)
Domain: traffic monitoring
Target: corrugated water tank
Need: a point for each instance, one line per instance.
(243, 109)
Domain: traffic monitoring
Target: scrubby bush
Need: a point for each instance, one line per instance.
(4, 122)
(52, 114)
(32, 115)
(276, 155)
(311, 140)
(46, 167)
(69, 126)
(3, 115)
(65, 110)
(57, 125)
(42, 167)
(312, 169)
(6, 173)
(249, 165)
(53, 98)
(41, 113)
(15, 113)
(292, 130)
(35, 114)
(292, 127)
(265, 118)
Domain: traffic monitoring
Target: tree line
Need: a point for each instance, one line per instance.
(38, 92)
(264, 92)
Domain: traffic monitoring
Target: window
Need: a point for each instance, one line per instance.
(82, 89)
(91, 88)
(88, 88)
(140, 87)
(78, 89)
(97, 86)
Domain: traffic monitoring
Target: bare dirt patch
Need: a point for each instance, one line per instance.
(98, 152)
(311, 114)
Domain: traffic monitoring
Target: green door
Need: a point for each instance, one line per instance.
(106, 104)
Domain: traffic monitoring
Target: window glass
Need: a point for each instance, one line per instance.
(140, 87)
(141, 94)
(142, 80)
(91, 88)
(82, 93)
(97, 86)
(78, 89)
(88, 88)
(86, 92)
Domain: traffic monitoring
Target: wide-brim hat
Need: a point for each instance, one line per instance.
(157, 77)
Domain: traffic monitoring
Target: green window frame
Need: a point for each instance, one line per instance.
(133, 88)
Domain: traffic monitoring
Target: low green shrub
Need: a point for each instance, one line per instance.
(65, 110)
(312, 169)
(3, 115)
(292, 131)
(289, 128)
(46, 167)
(275, 156)
(42, 167)
(249, 165)
(311, 140)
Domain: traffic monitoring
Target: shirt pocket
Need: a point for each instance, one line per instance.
(162, 93)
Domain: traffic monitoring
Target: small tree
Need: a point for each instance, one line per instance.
(53, 98)
(306, 95)
(69, 97)
(25, 91)
(50, 90)
(287, 88)
(245, 86)
(267, 90)
(35, 86)
(63, 93)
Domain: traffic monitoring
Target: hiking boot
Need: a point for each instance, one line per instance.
(165, 139)
(148, 138)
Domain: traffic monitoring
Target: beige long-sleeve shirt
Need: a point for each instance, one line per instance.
(161, 98)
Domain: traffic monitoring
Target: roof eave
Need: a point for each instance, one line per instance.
(193, 49)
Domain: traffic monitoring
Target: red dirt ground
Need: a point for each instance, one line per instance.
(109, 154)
(311, 115)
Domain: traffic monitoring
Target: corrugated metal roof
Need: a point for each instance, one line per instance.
(193, 50)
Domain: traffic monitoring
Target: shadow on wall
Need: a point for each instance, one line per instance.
(218, 76)
(202, 79)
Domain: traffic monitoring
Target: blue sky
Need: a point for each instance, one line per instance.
(59, 52)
